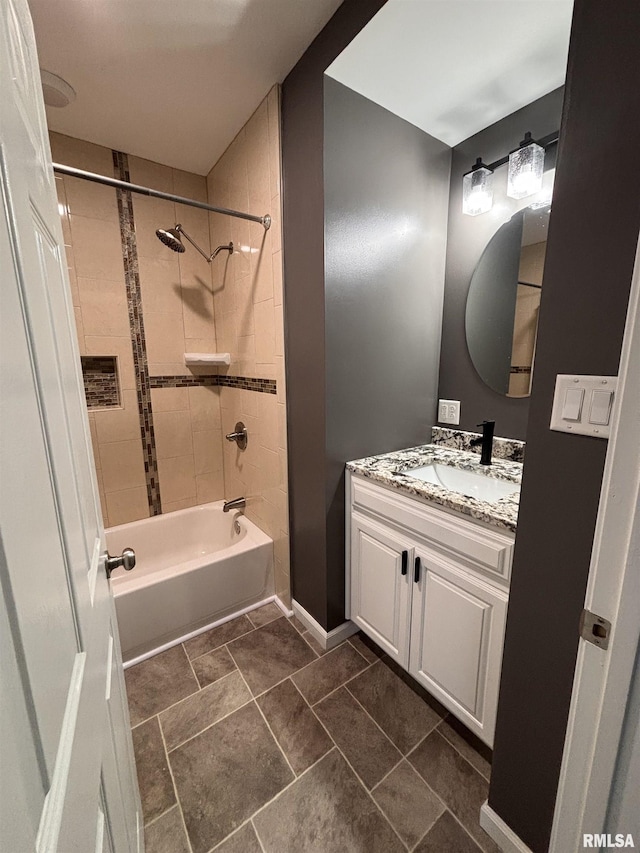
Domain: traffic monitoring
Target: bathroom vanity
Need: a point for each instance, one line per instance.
(430, 536)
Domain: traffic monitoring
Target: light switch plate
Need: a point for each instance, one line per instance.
(449, 411)
(585, 419)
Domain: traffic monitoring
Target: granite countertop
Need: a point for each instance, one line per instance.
(390, 469)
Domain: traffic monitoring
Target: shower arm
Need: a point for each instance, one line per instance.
(208, 258)
(265, 220)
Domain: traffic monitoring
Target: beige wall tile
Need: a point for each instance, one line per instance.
(210, 487)
(169, 368)
(122, 465)
(127, 505)
(173, 434)
(164, 334)
(85, 198)
(160, 284)
(151, 174)
(122, 424)
(190, 185)
(262, 267)
(207, 451)
(177, 478)
(97, 248)
(80, 330)
(276, 264)
(169, 400)
(104, 307)
(80, 154)
(265, 337)
(204, 404)
(268, 419)
(173, 506)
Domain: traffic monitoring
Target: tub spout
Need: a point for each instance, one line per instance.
(236, 503)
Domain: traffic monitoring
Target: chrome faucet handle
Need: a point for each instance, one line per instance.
(240, 436)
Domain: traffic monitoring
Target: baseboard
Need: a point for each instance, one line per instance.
(500, 832)
(327, 639)
(277, 601)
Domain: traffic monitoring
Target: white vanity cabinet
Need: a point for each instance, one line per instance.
(430, 587)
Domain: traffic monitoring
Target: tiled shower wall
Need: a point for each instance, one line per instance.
(162, 449)
(249, 322)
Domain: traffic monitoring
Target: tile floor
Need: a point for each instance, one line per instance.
(251, 739)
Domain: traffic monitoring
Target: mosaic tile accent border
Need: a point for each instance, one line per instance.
(136, 326)
(100, 374)
(520, 369)
(264, 386)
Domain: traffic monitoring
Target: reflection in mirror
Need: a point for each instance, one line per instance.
(504, 299)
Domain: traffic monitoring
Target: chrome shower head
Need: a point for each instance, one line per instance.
(171, 238)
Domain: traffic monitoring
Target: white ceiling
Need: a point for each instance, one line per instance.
(453, 67)
(170, 80)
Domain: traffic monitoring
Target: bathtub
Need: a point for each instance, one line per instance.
(192, 569)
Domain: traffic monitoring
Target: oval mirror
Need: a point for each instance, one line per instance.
(501, 319)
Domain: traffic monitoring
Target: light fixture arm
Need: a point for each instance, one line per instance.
(544, 142)
(208, 258)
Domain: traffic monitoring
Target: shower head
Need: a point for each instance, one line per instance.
(171, 238)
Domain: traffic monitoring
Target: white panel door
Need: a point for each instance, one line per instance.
(380, 571)
(68, 780)
(457, 629)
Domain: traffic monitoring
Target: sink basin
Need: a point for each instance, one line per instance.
(463, 482)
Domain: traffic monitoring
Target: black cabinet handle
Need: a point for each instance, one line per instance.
(405, 560)
(416, 570)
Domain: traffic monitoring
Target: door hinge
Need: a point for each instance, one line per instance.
(594, 629)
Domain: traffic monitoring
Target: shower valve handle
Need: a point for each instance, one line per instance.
(239, 435)
(127, 560)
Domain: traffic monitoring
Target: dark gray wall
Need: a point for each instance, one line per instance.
(303, 233)
(386, 189)
(590, 253)
(467, 239)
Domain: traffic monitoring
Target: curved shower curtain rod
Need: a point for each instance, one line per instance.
(265, 220)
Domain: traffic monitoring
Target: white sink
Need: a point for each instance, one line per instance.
(464, 482)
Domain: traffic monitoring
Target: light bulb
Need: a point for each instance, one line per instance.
(477, 190)
(526, 166)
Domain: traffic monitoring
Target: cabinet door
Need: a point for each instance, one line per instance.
(457, 631)
(379, 589)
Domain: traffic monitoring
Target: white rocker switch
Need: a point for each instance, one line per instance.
(572, 408)
(601, 402)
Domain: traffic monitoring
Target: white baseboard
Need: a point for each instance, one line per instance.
(327, 639)
(500, 832)
(288, 613)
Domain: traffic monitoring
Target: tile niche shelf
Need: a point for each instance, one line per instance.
(207, 359)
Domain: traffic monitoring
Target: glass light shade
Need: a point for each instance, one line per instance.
(526, 166)
(477, 191)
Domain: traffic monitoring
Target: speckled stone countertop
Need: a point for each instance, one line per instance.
(390, 469)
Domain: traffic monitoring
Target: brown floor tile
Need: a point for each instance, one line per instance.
(326, 811)
(408, 803)
(225, 774)
(315, 645)
(456, 782)
(156, 683)
(367, 649)
(402, 715)
(447, 836)
(198, 712)
(270, 654)
(464, 747)
(366, 748)
(154, 778)
(297, 624)
(329, 672)
(295, 726)
(212, 666)
(242, 841)
(217, 637)
(166, 834)
(263, 615)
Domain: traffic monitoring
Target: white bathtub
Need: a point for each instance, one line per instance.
(192, 569)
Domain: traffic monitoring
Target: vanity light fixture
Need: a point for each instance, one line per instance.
(526, 167)
(526, 164)
(477, 189)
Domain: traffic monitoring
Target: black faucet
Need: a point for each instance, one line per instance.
(486, 440)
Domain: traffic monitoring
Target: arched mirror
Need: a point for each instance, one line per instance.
(504, 299)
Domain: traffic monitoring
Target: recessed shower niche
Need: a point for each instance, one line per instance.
(101, 385)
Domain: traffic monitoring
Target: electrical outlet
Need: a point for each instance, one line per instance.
(449, 411)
